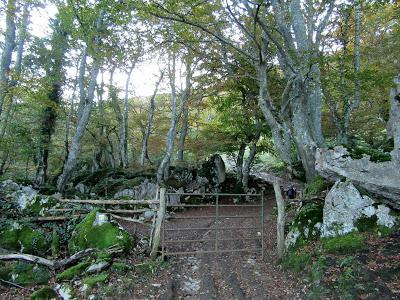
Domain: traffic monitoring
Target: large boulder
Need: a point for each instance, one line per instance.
(96, 231)
(344, 205)
(24, 274)
(145, 190)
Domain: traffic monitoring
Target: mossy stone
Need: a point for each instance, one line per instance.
(27, 274)
(73, 272)
(45, 293)
(102, 236)
(40, 204)
(25, 240)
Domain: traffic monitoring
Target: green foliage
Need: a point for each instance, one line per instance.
(344, 244)
(94, 280)
(106, 235)
(55, 244)
(315, 187)
(120, 268)
(45, 293)
(296, 261)
(73, 272)
(365, 224)
(24, 239)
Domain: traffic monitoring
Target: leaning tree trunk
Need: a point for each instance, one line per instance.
(59, 48)
(169, 143)
(70, 163)
(393, 125)
(144, 155)
(9, 44)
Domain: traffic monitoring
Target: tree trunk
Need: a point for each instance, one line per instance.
(239, 163)
(59, 48)
(175, 115)
(184, 131)
(144, 155)
(9, 44)
(393, 125)
(250, 158)
(70, 163)
(280, 224)
(124, 126)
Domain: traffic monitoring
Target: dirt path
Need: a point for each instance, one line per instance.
(238, 275)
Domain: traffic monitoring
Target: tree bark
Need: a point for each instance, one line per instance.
(9, 45)
(123, 147)
(280, 224)
(144, 155)
(59, 48)
(239, 163)
(70, 163)
(184, 131)
(250, 158)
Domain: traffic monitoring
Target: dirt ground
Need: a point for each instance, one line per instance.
(237, 275)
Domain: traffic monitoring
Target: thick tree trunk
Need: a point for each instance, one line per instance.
(70, 163)
(123, 145)
(280, 224)
(144, 155)
(9, 44)
(393, 126)
(59, 48)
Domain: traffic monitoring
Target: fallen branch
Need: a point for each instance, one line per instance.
(15, 284)
(57, 264)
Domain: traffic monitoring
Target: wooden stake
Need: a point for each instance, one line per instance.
(160, 220)
(280, 225)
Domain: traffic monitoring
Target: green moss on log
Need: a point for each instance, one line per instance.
(73, 272)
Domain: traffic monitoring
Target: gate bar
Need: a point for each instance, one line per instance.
(214, 194)
(210, 228)
(213, 251)
(213, 205)
(211, 240)
(212, 217)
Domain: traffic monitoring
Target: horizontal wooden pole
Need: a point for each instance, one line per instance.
(125, 211)
(109, 202)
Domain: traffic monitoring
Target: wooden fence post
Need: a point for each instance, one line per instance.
(280, 226)
(159, 223)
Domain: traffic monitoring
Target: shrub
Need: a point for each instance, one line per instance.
(315, 187)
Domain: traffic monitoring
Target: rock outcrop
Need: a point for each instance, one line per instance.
(380, 178)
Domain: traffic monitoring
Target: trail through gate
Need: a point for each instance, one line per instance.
(218, 227)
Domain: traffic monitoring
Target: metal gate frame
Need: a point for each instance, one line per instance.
(217, 217)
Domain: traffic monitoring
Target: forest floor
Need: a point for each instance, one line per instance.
(236, 275)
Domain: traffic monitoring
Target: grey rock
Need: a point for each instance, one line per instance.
(81, 188)
(97, 268)
(145, 190)
(149, 214)
(343, 206)
(9, 186)
(24, 196)
(100, 219)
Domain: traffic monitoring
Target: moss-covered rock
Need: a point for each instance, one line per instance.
(89, 235)
(73, 272)
(25, 274)
(39, 205)
(306, 225)
(45, 293)
(24, 239)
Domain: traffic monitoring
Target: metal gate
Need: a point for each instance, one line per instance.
(218, 218)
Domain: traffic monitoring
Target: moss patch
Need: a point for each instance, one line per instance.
(25, 274)
(92, 281)
(296, 261)
(106, 235)
(73, 272)
(45, 293)
(344, 244)
(120, 268)
(24, 240)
